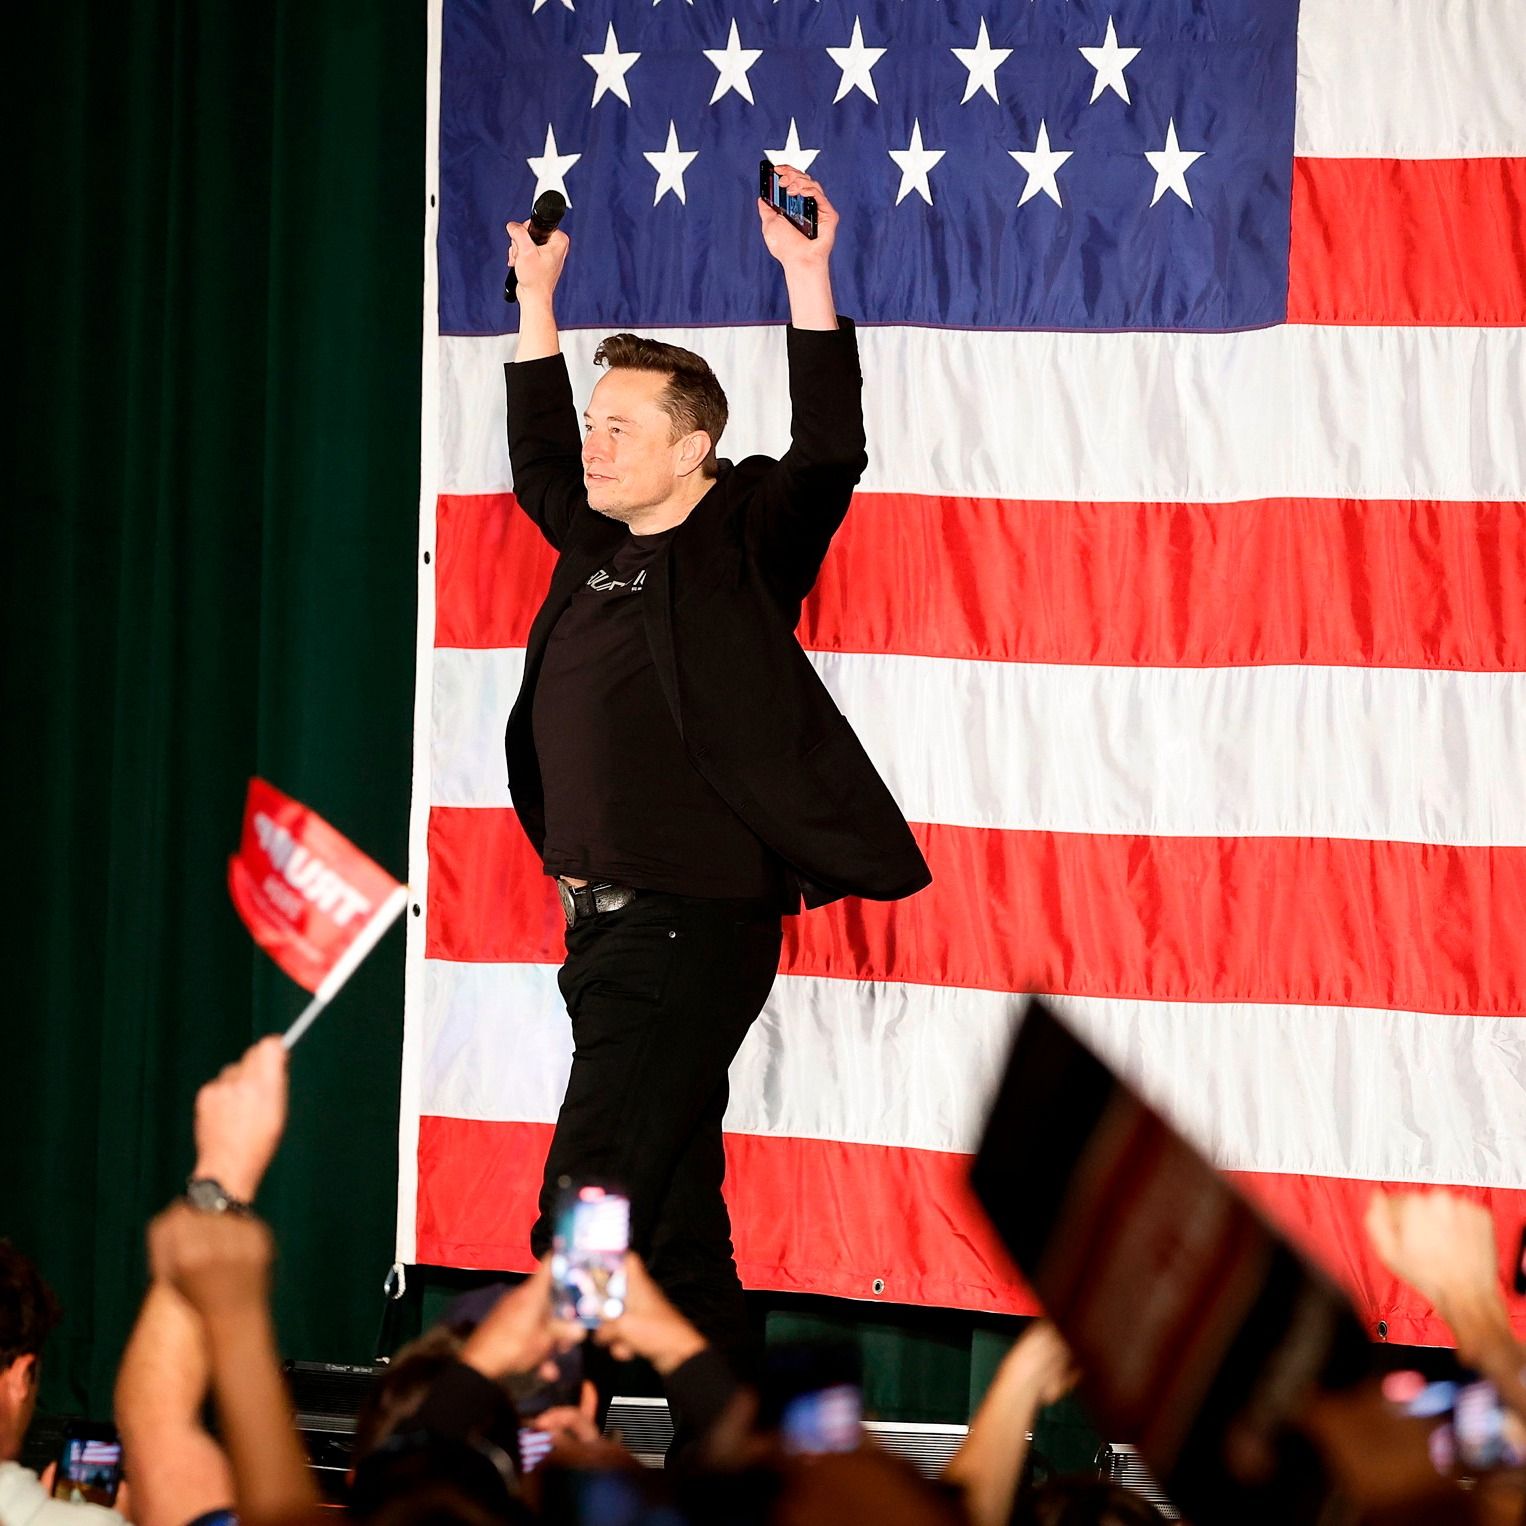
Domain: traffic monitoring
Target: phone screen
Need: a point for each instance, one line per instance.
(829, 1420)
(588, 1247)
(1473, 1431)
(800, 210)
(89, 1470)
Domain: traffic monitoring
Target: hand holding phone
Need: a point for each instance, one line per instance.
(650, 1327)
(1472, 1432)
(802, 211)
(520, 1334)
(588, 1246)
(89, 1467)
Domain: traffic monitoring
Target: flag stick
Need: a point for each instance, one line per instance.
(365, 941)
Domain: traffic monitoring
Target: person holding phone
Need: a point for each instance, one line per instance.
(677, 764)
(76, 1489)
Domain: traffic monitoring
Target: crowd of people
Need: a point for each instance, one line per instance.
(209, 1436)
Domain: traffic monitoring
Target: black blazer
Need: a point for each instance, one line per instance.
(720, 608)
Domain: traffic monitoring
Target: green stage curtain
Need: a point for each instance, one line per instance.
(213, 524)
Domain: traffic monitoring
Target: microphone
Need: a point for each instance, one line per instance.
(549, 209)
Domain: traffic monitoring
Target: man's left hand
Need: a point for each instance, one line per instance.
(218, 1262)
(518, 1334)
(786, 242)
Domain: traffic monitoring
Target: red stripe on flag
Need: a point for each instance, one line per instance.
(890, 1210)
(491, 570)
(1407, 241)
(1332, 921)
(1327, 921)
(1332, 581)
(490, 900)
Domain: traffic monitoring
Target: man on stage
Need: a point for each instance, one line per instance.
(673, 756)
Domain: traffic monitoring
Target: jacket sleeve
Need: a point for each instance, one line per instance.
(545, 445)
(802, 500)
(702, 1388)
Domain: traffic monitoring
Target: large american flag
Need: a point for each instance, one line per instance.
(1183, 606)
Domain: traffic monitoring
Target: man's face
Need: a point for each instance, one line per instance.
(631, 461)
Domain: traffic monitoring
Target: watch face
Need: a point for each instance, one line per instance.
(207, 1195)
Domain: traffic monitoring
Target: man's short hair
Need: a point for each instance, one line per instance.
(693, 398)
(399, 1391)
(28, 1309)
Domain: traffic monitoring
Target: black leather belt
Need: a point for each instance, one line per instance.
(579, 902)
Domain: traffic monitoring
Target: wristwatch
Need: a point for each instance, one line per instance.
(208, 1195)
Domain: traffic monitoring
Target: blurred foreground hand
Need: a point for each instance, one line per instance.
(240, 1117)
(218, 1262)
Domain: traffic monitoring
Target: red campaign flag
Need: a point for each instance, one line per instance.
(306, 893)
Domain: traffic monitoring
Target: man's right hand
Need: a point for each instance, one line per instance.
(650, 1327)
(538, 266)
(240, 1117)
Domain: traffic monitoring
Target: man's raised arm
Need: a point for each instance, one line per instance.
(804, 501)
(538, 267)
(545, 439)
(806, 261)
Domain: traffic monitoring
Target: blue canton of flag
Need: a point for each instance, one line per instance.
(1102, 164)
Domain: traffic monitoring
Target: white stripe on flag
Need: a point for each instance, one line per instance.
(1322, 412)
(1410, 79)
(474, 691)
(1378, 753)
(1330, 1091)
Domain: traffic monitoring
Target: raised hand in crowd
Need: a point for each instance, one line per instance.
(650, 1327)
(988, 1467)
(240, 1117)
(220, 1264)
(519, 1334)
(211, 1276)
(1443, 1245)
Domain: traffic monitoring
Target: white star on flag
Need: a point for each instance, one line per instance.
(670, 165)
(982, 61)
(1171, 164)
(733, 61)
(792, 154)
(566, 5)
(1109, 61)
(550, 168)
(915, 163)
(856, 62)
(610, 66)
(1042, 164)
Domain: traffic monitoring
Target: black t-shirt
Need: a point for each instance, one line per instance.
(623, 802)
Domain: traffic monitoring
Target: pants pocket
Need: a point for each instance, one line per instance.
(619, 967)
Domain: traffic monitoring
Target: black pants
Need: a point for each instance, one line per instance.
(661, 994)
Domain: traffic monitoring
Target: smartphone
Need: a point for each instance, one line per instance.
(800, 210)
(812, 1395)
(589, 1240)
(1472, 1432)
(829, 1420)
(89, 1464)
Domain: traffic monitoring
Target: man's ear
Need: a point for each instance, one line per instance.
(19, 1378)
(692, 452)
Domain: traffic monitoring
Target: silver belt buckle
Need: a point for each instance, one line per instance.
(569, 906)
